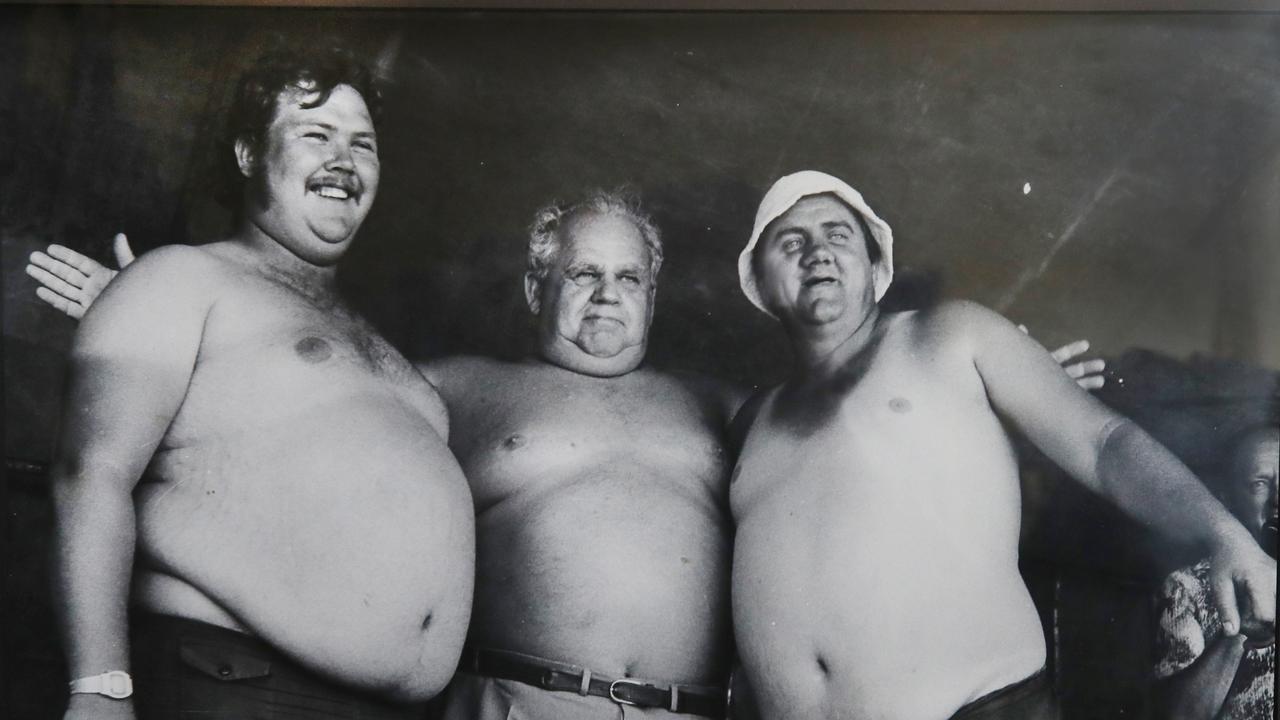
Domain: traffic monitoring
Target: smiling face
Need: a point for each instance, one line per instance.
(812, 265)
(595, 303)
(317, 175)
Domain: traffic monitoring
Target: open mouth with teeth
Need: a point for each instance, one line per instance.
(334, 190)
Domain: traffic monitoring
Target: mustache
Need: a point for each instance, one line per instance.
(346, 182)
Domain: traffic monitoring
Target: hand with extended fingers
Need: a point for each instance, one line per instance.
(70, 281)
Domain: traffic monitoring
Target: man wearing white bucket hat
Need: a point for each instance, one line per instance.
(876, 495)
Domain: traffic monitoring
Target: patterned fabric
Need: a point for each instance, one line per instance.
(1189, 623)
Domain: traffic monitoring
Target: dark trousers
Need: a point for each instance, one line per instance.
(1030, 699)
(188, 670)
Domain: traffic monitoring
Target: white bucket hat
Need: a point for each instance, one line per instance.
(789, 190)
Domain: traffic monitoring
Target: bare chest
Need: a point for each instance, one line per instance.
(900, 434)
(269, 356)
(537, 436)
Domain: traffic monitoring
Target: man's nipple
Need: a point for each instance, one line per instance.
(313, 349)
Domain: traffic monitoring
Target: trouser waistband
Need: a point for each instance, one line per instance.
(187, 666)
(1030, 698)
(564, 677)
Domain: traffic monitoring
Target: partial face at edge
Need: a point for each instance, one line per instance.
(812, 265)
(597, 297)
(318, 174)
(1252, 486)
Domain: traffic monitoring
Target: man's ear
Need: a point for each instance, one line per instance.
(881, 274)
(244, 157)
(533, 292)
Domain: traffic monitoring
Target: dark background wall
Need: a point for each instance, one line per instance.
(1150, 145)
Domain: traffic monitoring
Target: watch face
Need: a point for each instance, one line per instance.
(117, 684)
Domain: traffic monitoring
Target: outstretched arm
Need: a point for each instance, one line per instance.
(70, 281)
(130, 364)
(1115, 458)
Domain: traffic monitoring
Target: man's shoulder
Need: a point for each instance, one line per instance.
(184, 269)
(162, 300)
(454, 370)
(163, 284)
(952, 315)
(179, 257)
(951, 323)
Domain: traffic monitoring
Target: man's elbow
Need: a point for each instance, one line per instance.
(73, 480)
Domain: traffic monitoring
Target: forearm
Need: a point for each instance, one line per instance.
(1198, 692)
(1145, 480)
(93, 560)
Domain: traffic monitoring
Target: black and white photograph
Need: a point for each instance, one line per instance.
(567, 363)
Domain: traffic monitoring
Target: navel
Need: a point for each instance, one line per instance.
(313, 349)
(822, 665)
(900, 405)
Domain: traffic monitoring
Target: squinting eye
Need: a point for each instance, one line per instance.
(366, 146)
(839, 237)
(317, 136)
(631, 279)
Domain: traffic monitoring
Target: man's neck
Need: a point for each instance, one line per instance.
(822, 351)
(282, 265)
(576, 361)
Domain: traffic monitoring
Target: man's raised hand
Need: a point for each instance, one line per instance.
(70, 281)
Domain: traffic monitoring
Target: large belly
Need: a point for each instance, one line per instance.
(625, 573)
(854, 598)
(343, 536)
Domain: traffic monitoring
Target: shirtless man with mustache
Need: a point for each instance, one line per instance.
(247, 466)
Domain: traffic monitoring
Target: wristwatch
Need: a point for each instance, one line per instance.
(116, 685)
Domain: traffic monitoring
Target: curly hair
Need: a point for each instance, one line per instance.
(544, 233)
(256, 100)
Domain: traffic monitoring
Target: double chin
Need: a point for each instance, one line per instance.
(602, 345)
(596, 356)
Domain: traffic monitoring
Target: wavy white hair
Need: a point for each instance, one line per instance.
(544, 235)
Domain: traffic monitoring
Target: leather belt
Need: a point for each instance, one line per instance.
(563, 677)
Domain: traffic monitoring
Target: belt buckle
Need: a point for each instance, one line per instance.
(613, 695)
